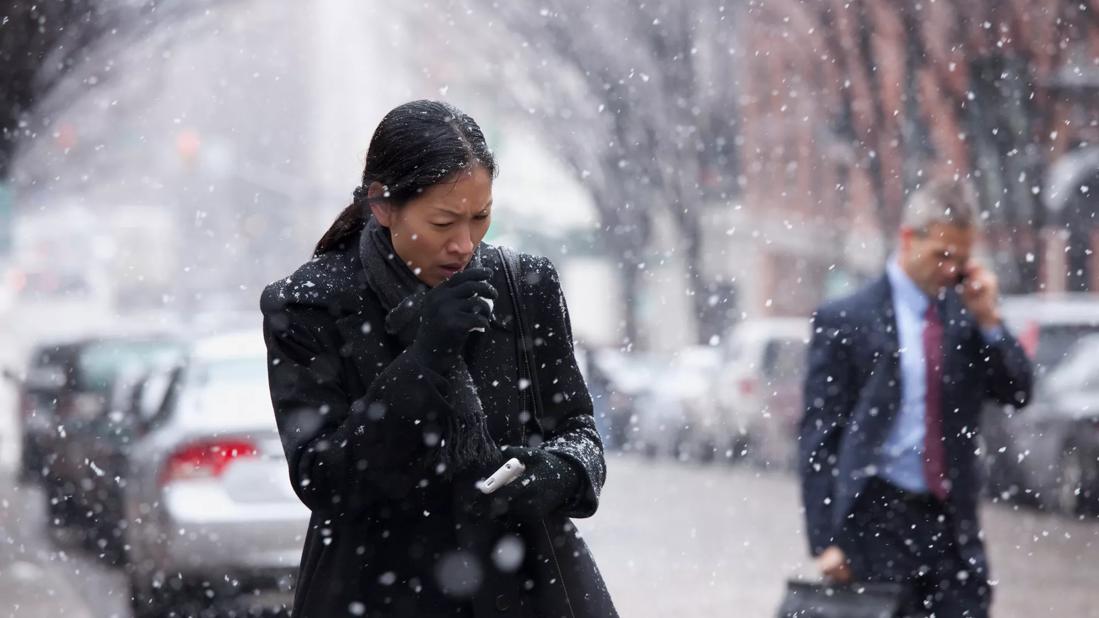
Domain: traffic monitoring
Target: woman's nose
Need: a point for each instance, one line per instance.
(462, 242)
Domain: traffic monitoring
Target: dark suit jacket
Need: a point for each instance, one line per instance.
(853, 393)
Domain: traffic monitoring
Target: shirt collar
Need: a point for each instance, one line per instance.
(905, 290)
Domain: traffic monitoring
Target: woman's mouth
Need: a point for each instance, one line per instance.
(451, 269)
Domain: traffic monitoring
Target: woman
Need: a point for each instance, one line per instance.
(395, 374)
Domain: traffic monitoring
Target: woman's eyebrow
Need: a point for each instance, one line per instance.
(455, 213)
(452, 213)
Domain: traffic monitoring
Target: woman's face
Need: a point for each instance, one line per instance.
(436, 232)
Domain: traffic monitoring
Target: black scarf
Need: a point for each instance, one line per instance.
(467, 441)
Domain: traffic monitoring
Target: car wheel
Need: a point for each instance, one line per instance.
(707, 452)
(154, 599)
(106, 529)
(30, 463)
(647, 449)
(1076, 485)
(693, 452)
(739, 445)
(107, 542)
(688, 447)
(1088, 498)
(58, 507)
(759, 454)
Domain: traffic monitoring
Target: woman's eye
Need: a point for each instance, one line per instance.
(481, 217)
(441, 225)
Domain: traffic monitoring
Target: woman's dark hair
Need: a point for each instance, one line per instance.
(417, 145)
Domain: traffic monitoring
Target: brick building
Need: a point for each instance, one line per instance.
(848, 104)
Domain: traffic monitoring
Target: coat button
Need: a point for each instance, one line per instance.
(502, 602)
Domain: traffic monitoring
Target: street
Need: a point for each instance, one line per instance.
(719, 541)
(255, 254)
(671, 539)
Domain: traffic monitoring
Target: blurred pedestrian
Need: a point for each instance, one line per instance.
(898, 373)
(397, 378)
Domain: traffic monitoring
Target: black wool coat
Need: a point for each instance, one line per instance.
(392, 533)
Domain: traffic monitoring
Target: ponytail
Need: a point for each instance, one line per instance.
(350, 221)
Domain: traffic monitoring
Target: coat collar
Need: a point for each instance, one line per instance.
(361, 318)
(882, 316)
(349, 295)
(956, 318)
(882, 321)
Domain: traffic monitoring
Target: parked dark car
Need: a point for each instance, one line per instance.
(38, 390)
(1050, 453)
(86, 446)
(1045, 455)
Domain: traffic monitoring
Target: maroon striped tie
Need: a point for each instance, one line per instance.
(934, 456)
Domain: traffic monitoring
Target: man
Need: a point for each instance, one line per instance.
(897, 376)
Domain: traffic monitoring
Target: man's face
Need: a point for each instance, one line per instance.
(436, 232)
(936, 257)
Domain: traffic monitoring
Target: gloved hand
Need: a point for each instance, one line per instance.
(549, 483)
(450, 310)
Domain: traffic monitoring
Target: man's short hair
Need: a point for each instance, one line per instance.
(949, 201)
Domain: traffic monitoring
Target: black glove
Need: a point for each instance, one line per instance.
(549, 483)
(450, 310)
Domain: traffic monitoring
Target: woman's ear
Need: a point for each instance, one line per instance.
(381, 208)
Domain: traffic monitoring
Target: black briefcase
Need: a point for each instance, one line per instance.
(860, 600)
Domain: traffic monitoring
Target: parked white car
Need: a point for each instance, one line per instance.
(212, 517)
(675, 413)
(759, 388)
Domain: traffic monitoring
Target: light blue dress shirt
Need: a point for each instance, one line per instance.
(902, 453)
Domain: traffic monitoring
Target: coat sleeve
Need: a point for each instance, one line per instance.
(1008, 374)
(567, 416)
(829, 398)
(345, 453)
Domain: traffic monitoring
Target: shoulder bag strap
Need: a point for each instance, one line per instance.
(524, 339)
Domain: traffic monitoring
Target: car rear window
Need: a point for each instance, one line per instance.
(101, 363)
(1078, 372)
(1055, 341)
(784, 359)
(232, 391)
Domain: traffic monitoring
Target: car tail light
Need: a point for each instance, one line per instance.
(207, 459)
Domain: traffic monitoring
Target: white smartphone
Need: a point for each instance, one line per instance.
(507, 473)
(491, 306)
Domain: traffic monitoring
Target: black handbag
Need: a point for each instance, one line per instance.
(567, 581)
(859, 600)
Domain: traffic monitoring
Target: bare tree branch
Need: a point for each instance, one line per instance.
(51, 50)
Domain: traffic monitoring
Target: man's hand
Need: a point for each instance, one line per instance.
(833, 565)
(981, 295)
